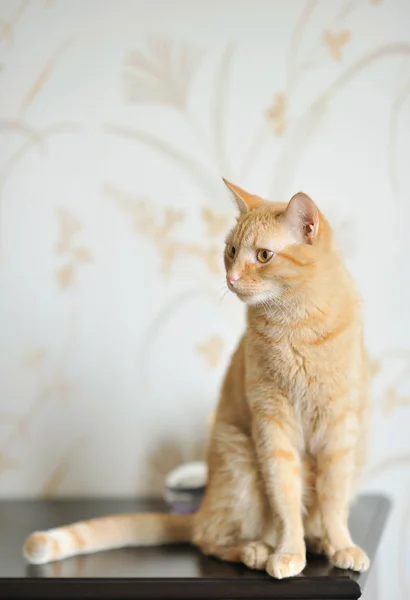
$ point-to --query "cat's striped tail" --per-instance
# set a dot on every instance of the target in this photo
(116, 531)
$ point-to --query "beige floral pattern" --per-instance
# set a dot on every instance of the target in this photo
(276, 113)
(335, 42)
(74, 255)
(159, 226)
(216, 224)
(211, 350)
(162, 74)
(7, 24)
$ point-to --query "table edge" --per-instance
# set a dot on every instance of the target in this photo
(342, 587)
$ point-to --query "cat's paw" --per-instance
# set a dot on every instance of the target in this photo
(285, 565)
(255, 555)
(351, 558)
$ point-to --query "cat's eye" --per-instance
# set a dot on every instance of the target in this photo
(263, 255)
(231, 251)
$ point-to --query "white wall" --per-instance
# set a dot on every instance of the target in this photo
(116, 120)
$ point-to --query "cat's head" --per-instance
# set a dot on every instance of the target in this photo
(274, 248)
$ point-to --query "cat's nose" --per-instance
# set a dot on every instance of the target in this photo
(232, 278)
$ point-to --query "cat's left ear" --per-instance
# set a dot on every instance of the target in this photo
(302, 216)
(244, 200)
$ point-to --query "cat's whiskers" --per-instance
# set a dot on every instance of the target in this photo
(270, 312)
(267, 309)
(286, 308)
(290, 305)
(224, 295)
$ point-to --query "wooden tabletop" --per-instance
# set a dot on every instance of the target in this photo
(163, 572)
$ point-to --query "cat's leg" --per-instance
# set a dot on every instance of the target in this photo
(312, 520)
(275, 436)
(336, 464)
(234, 511)
(314, 536)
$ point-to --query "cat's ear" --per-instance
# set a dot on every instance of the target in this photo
(244, 201)
(302, 216)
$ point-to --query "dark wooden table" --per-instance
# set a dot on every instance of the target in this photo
(167, 572)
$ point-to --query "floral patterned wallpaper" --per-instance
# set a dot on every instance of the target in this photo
(117, 120)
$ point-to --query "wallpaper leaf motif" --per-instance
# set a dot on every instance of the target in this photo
(335, 41)
(163, 74)
(297, 66)
(74, 255)
(159, 225)
(65, 276)
(394, 396)
(69, 227)
(216, 224)
(39, 139)
(211, 350)
(392, 400)
(306, 126)
(20, 127)
(34, 137)
(7, 25)
(43, 77)
(276, 113)
(54, 387)
(82, 254)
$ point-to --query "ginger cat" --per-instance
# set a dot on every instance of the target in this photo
(289, 437)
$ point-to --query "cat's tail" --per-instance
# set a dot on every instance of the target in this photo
(106, 533)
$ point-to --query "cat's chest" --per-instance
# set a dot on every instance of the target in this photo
(288, 363)
(305, 374)
(307, 384)
(299, 375)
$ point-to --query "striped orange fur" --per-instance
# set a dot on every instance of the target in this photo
(289, 437)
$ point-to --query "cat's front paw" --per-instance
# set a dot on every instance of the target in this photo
(285, 565)
(255, 555)
(351, 558)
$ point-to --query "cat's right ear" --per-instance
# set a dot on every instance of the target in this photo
(243, 200)
(302, 216)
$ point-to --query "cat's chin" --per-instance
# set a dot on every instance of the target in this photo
(255, 299)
